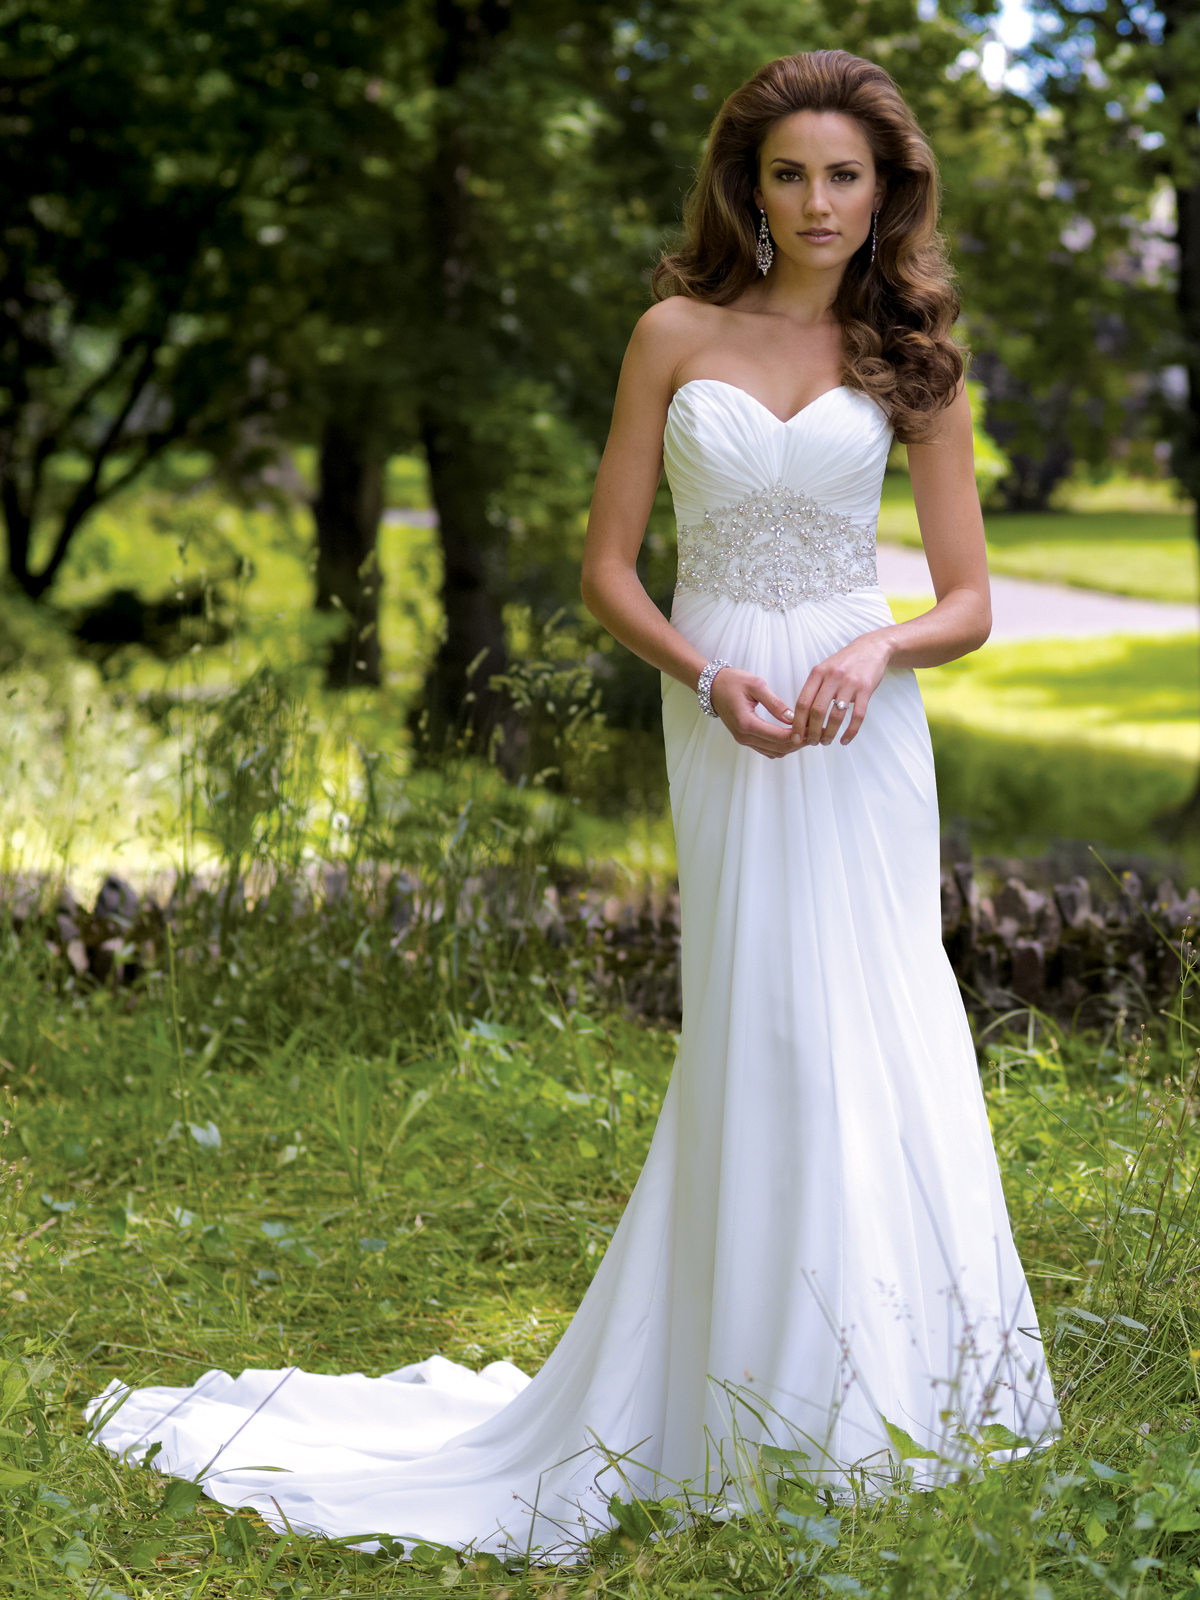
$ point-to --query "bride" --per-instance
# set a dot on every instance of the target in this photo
(817, 1256)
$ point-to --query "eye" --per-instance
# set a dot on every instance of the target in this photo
(849, 176)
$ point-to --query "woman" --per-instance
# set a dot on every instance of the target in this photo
(817, 1255)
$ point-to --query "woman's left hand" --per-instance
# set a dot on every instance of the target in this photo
(852, 675)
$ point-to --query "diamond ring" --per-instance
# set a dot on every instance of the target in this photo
(841, 705)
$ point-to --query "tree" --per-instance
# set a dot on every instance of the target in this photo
(141, 144)
(503, 230)
(1122, 81)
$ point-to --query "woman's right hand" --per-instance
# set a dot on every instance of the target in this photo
(736, 697)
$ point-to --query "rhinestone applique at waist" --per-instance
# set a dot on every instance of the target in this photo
(776, 549)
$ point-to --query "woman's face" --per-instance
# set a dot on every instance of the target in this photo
(818, 186)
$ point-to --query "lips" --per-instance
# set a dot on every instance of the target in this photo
(819, 234)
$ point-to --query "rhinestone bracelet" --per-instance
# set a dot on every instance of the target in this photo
(704, 687)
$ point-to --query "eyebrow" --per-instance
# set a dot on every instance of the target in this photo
(786, 161)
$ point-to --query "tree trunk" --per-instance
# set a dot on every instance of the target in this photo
(1186, 454)
(457, 693)
(461, 472)
(348, 507)
(1185, 457)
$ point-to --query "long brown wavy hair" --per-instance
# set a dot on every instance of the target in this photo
(896, 315)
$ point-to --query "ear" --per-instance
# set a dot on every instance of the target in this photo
(758, 198)
(880, 196)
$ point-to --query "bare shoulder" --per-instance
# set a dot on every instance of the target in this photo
(670, 331)
(952, 424)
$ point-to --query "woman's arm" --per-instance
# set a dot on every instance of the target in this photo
(943, 479)
(624, 493)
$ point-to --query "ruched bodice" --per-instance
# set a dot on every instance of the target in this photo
(721, 445)
(772, 512)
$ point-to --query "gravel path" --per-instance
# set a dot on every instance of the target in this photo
(1023, 609)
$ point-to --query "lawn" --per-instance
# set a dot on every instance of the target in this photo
(1149, 553)
(397, 1153)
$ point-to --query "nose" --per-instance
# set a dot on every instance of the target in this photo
(818, 199)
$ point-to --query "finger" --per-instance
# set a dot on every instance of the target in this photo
(812, 687)
(756, 731)
(856, 721)
(818, 712)
(779, 709)
(836, 718)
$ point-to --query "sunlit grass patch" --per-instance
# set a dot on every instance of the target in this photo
(1133, 694)
(1149, 553)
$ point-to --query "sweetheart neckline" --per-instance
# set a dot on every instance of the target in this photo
(783, 422)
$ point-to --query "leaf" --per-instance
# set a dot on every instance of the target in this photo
(426, 1555)
(817, 1530)
(420, 1098)
(1108, 1474)
(207, 1137)
(181, 1498)
(1128, 1322)
(1182, 1522)
(841, 1583)
(146, 1554)
(995, 1436)
(1095, 1531)
(783, 1460)
(638, 1518)
(74, 1557)
(905, 1446)
(118, 1221)
(237, 1538)
(13, 1477)
(588, 1150)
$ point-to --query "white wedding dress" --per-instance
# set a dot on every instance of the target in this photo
(818, 1241)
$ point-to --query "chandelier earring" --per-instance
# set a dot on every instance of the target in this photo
(765, 253)
(874, 221)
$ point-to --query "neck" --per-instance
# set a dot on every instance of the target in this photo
(800, 293)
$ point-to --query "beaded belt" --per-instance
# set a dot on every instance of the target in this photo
(776, 549)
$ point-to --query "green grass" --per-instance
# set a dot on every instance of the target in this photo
(1136, 695)
(419, 1154)
(1149, 553)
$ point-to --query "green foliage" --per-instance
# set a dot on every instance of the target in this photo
(138, 272)
(1019, 792)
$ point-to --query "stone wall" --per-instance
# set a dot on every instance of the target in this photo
(1081, 949)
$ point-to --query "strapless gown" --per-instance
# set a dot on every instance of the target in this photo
(818, 1244)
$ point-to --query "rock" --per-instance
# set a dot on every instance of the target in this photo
(1029, 971)
(335, 882)
(1132, 886)
(953, 905)
(964, 877)
(401, 891)
(23, 898)
(1074, 901)
(1017, 903)
(103, 959)
(1047, 926)
(117, 903)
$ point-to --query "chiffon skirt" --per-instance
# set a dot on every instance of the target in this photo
(818, 1245)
